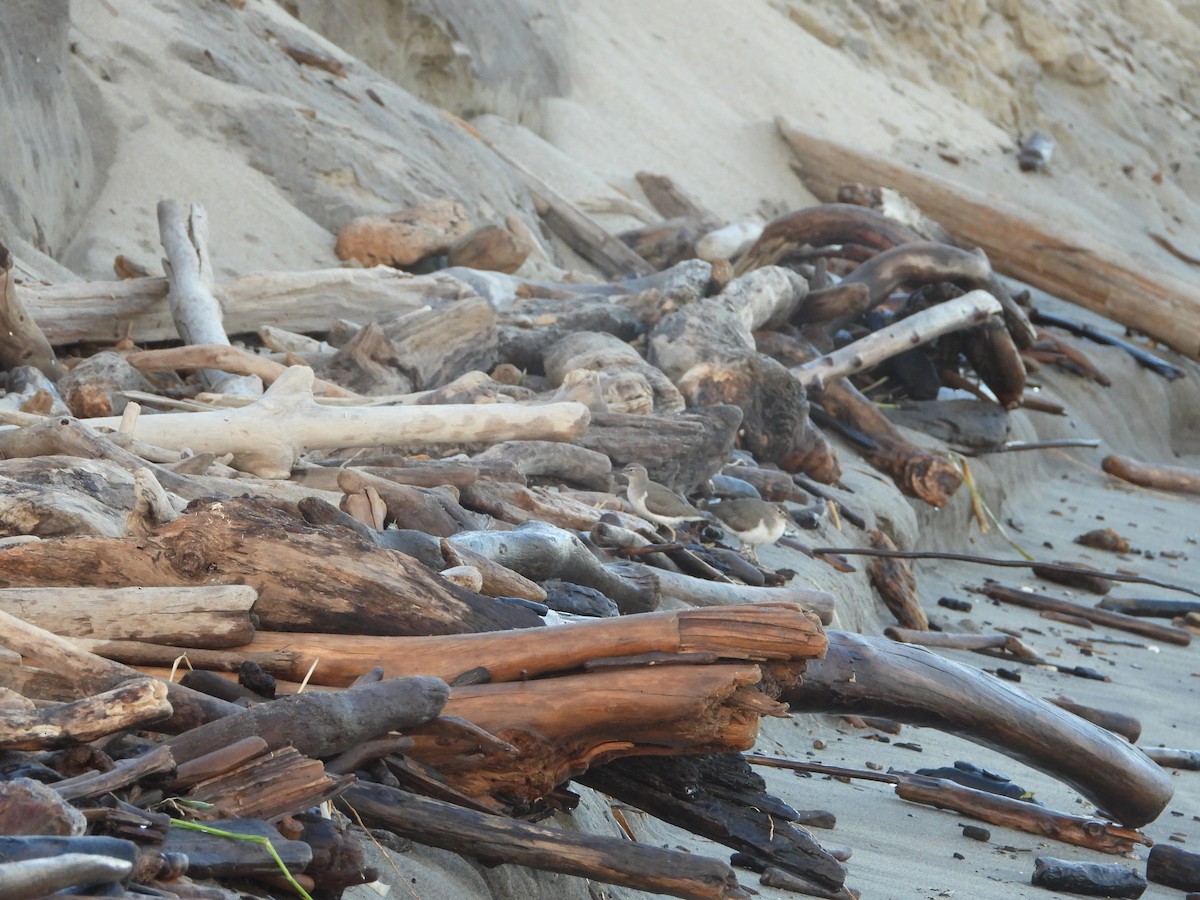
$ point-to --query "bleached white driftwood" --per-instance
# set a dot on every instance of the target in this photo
(301, 301)
(968, 311)
(196, 312)
(267, 436)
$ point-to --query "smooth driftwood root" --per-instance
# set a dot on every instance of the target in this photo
(871, 676)
(1163, 478)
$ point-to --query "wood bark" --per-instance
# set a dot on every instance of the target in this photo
(134, 704)
(494, 838)
(307, 578)
(267, 436)
(1055, 256)
(669, 199)
(1132, 624)
(893, 580)
(210, 617)
(563, 726)
(771, 631)
(869, 676)
(1118, 723)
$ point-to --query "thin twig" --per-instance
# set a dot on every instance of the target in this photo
(1059, 568)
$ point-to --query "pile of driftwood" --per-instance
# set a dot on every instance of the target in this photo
(372, 567)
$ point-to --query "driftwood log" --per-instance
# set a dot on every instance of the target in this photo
(870, 676)
(267, 436)
(1160, 477)
(605, 859)
(767, 631)
(307, 578)
(1052, 255)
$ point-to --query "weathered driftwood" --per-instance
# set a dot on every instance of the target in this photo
(555, 461)
(1132, 624)
(893, 580)
(226, 358)
(540, 551)
(517, 505)
(406, 236)
(966, 641)
(663, 244)
(1171, 758)
(123, 773)
(917, 263)
(84, 672)
(605, 859)
(431, 510)
(300, 301)
(213, 856)
(96, 386)
(43, 496)
(496, 580)
(1174, 867)
(1118, 723)
(719, 797)
(871, 676)
(490, 247)
(916, 472)
(1055, 256)
(1088, 879)
(322, 724)
(1150, 607)
(29, 879)
(31, 807)
(307, 578)
(210, 616)
(706, 348)
(134, 704)
(681, 451)
(197, 313)
(575, 227)
(830, 223)
(22, 342)
(967, 311)
(698, 592)
(624, 381)
(1019, 814)
(1160, 477)
(669, 199)
(563, 726)
(753, 631)
(267, 436)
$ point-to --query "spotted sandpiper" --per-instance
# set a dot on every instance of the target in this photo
(655, 502)
(751, 521)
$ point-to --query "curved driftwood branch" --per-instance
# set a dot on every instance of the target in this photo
(699, 592)
(873, 676)
(829, 223)
(918, 263)
(268, 435)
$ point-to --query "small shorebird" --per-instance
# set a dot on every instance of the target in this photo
(655, 502)
(751, 521)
